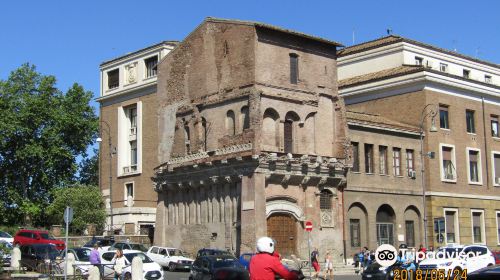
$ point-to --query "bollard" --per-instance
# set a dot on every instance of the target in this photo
(94, 273)
(137, 268)
(70, 264)
(15, 258)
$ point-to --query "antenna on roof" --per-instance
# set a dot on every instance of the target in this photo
(353, 36)
(389, 31)
(454, 45)
(478, 52)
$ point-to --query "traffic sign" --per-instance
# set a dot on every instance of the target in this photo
(309, 226)
(68, 215)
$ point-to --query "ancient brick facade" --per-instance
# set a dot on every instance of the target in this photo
(248, 144)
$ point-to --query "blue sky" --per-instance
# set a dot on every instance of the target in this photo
(69, 39)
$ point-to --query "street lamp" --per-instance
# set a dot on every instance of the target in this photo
(111, 152)
(429, 110)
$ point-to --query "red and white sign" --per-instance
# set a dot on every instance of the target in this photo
(309, 226)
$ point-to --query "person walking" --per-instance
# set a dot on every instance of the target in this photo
(315, 262)
(120, 263)
(95, 259)
(328, 266)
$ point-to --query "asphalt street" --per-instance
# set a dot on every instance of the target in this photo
(185, 276)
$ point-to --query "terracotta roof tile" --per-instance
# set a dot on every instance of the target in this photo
(378, 121)
(384, 74)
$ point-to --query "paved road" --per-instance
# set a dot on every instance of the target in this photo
(185, 275)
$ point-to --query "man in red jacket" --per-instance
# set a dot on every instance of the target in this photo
(264, 265)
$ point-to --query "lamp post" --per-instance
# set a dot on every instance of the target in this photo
(429, 110)
(110, 150)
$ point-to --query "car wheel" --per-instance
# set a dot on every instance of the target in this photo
(490, 264)
(128, 276)
(171, 266)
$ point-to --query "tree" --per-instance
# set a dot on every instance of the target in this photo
(42, 132)
(87, 204)
(89, 170)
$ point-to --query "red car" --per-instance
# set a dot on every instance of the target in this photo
(496, 254)
(33, 236)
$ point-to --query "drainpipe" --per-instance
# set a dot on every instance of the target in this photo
(485, 145)
(343, 227)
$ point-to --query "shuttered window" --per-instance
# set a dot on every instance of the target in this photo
(368, 158)
(288, 135)
(450, 221)
(448, 166)
(473, 166)
(354, 226)
(382, 154)
(355, 157)
(396, 161)
(477, 226)
(443, 117)
(496, 164)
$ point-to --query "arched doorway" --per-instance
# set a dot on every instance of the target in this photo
(283, 229)
(385, 225)
(412, 226)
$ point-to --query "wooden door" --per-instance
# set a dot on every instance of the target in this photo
(283, 229)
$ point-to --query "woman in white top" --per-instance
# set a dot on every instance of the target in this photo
(120, 263)
(328, 266)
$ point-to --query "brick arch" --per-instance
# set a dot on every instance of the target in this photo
(270, 129)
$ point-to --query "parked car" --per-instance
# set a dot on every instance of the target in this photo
(33, 236)
(218, 267)
(213, 252)
(496, 254)
(32, 255)
(172, 258)
(104, 243)
(4, 236)
(82, 260)
(456, 258)
(128, 246)
(487, 273)
(151, 269)
(5, 249)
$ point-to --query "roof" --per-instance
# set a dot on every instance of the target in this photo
(171, 43)
(380, 75)
(376, 120)
(392, 39)
(273, 27)
(401, 71)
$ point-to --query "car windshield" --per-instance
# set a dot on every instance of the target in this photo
(449, 253)
(138, 247)
(83, 255)
(175, 252)
(46, 236)
(220, 262)
(46, 250)
(144, 258)
(5, 235)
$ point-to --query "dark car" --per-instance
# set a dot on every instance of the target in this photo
(213, 252)
(102, 242)
(375, 271)
(34, 254)
(34, 236)
(128, 246)
(487, 273)
(221, 267)
(5, 249)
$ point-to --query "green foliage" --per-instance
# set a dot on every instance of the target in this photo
(89, 170)
(42, 132)
(87, 204)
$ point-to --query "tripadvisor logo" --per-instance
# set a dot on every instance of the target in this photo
(386, 255)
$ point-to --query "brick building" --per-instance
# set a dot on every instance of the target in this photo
(128, 105)
(424, 86)
(252, 140)
(383, 198)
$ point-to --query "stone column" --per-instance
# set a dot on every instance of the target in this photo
(160, 217)
(253, 211)
(221, 202)
(215, 204)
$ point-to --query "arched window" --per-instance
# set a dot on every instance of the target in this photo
(244, 118)
(187, 139)
(325, 200)
(230, 124)
(289, 130)
(270, 129)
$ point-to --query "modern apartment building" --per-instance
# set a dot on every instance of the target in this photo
(454, 100)
(128, 129)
